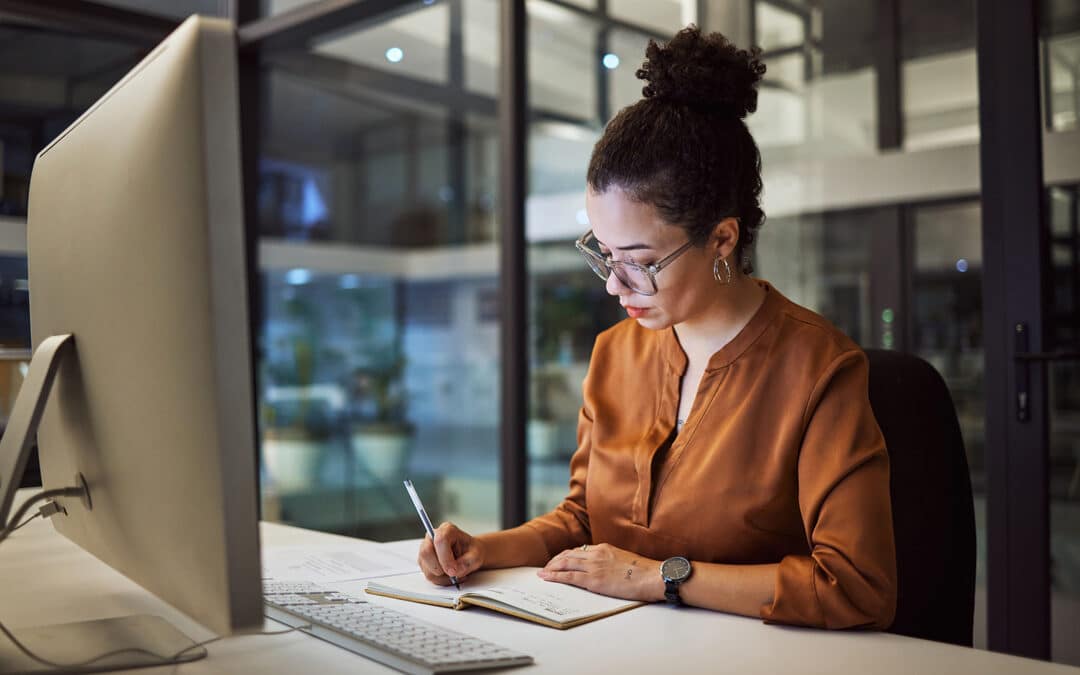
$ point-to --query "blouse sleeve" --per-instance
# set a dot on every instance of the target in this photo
(849, 578)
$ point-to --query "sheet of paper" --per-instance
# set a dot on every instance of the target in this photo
(327, 565)
(406, 548)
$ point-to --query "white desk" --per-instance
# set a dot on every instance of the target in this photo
(47, 579)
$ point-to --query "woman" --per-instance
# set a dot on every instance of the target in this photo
(727, 454)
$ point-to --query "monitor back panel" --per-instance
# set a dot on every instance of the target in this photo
(136, 246)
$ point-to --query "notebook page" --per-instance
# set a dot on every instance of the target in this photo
(516, 587)
(416, 586)
(559, 603)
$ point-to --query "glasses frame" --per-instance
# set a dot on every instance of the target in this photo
(603, 262)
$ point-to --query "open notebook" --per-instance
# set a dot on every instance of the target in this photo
(516, 591)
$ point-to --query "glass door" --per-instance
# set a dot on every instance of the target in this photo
(1030, 283)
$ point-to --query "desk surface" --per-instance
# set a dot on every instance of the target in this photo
(47, 579)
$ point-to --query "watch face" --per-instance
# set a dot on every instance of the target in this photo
(675, 569)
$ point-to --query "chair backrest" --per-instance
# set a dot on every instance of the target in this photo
(933, 511)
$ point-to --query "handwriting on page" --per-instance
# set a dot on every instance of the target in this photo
(540, 603)
(547, 603)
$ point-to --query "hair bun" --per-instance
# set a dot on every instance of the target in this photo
(705, 72)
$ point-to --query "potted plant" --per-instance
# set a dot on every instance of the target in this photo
(293, 451)
(542, 431)
(381, 436)
(297, 427)
(562, 313)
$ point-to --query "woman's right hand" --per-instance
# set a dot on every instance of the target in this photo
(454, 553)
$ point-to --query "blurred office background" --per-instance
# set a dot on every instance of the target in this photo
(378, 225)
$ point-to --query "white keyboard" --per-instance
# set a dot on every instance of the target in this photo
(384, 635)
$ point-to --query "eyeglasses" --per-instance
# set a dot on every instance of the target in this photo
(639, 278)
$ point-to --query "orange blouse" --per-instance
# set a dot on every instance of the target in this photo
(780, 461)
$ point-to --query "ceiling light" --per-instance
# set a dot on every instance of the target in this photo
(298, 277)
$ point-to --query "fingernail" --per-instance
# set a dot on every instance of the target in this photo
(452, 571)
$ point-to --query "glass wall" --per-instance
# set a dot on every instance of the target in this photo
(939, 75)
(1060, 42)
(379, 349)
(414, 45)
(45, 83)
(268, 7)
(573, 90)
(819, 97)
(1063, 335)
(946, 330)
(562, 62)
(1061, 64)
(829, 83)
(662, 16)
(823, 261)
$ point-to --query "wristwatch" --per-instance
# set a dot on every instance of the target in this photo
(674, 572)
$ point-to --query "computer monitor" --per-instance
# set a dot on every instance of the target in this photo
(136, 248)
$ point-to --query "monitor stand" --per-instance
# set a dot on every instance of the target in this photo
(81, 647)
(21, 432)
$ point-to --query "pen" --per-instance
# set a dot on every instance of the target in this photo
(424, 519)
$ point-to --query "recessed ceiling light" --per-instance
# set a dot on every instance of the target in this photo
(298, 277)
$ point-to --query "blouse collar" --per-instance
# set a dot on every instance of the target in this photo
(676, 358)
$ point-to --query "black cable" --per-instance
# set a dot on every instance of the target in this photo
(39, 497)
(162, 660)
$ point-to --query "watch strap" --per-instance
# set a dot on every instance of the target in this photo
(671, 592)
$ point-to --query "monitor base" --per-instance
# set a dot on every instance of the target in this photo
(68, 644)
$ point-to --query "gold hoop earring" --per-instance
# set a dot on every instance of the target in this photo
(727, 275)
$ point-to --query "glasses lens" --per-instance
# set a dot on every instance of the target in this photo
(632, 276)
(590, 250)
(596, 265)
(635, 278)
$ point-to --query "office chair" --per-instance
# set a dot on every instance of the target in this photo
(933, 512)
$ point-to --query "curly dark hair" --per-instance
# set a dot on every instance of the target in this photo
(684, 148)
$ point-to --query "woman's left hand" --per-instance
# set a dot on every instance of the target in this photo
(605, 569)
